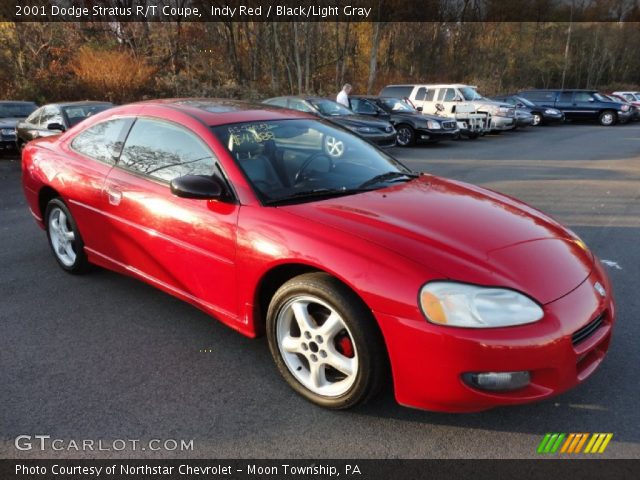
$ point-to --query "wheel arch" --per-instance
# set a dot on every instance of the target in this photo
(45, 195)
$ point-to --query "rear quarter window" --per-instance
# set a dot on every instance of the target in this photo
(103, 141)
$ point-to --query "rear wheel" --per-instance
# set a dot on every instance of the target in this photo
(405, 135)
(64, 238)
(325, 342)
(537, 119)
(607, 118)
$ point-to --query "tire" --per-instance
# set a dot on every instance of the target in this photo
(607, 118)
(64, 238)
(302, 343)
(473, 135)
(537, 119)
(405, 135)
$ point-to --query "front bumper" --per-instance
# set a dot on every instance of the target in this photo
(624, 117)
(386, 140)
(7, 142)
(553, 117)
(428, 360)
(524, 121)
(426, 135)
(502, 123)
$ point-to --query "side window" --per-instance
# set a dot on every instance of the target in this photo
(421, 94)
(102, 141)
(430, 94)
(582, 97)
(450, 95)
(50, 115)
(566, 97)
(397, 91)
(441, 94)
(34, 118)
(362, 106)
(165, 151)
(299, 105)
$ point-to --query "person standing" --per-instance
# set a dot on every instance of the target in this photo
(343, 95)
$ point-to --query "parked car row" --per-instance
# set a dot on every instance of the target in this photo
(400, 115)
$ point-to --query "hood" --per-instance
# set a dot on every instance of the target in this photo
(9, 122)
(464, 233)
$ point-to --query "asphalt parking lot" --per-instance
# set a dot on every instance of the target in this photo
(107, 357)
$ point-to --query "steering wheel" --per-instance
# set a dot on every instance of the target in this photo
(305, 165)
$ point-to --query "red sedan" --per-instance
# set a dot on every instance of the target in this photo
(355, 268)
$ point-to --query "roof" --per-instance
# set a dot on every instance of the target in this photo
(433, 85)
(214, 111)
(16, 102)
(80, 103)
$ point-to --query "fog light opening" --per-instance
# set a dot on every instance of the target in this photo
(497, 381)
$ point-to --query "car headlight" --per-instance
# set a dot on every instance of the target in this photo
(365, 130)
(551, 111)
(433, 125)
(8, 131)
(624, 108)
(462, 305)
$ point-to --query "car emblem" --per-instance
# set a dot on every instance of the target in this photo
(600, 289)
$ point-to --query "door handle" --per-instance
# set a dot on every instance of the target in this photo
(114, 195)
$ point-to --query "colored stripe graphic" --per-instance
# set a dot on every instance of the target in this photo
(572, 443)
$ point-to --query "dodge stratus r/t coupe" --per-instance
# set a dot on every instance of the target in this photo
(356, 269)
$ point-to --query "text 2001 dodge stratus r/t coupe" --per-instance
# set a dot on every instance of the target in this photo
(356, 268)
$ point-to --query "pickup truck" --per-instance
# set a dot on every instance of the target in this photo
(580, 105)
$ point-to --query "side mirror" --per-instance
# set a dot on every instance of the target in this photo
(56, 126)
(419, 109)
(199, 187)
(520, 105)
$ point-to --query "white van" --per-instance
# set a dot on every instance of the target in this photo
(452, 99)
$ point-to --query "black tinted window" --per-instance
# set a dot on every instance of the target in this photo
(397, 91)
(76, 113)
(165, 151)
(103, 141)
(362, 106)
(539, 96)
(582, 97)
(565, 97)
(421, 94)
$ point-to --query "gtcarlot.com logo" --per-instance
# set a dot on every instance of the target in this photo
(574, 443)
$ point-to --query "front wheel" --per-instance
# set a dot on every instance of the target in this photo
(607, 118)
(405, 136)
(537, 119)
(64, 238)
(325, 342)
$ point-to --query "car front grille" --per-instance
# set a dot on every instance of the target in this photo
(449, 125)
(588, 330)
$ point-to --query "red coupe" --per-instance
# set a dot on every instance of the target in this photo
(355, 268)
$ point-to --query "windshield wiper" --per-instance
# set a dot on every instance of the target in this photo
(317, 192)
(383, 177)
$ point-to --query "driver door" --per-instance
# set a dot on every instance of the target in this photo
(181, 245)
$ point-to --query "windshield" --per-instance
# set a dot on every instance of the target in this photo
(526, 102)
(291, 161)
(397, 105)
(17, 110)
(329, 107)
(76, 113)
(469, 93)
